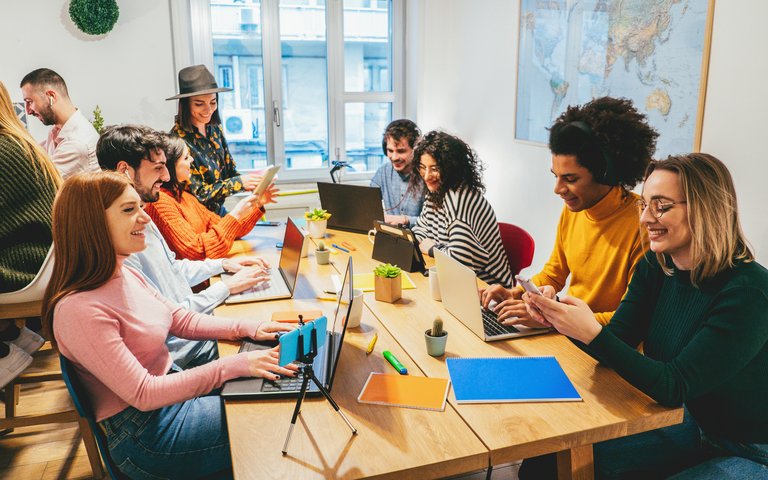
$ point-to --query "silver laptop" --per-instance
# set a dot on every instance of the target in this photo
(325, 365)
(458, 288)
(282, 282)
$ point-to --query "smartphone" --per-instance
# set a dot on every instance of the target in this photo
(528, 285)
(266, 180)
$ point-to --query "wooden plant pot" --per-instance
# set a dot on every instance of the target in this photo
(388, 289)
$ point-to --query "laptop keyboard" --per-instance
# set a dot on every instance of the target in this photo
(275, 288)
(285, 384)
(492, 326)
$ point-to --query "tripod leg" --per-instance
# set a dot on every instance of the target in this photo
(296, 411)
(333, 403)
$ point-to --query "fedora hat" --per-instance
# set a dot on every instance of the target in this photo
(196, 80)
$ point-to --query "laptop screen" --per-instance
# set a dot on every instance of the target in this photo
(354, 207)
(339, 325)
(291, 254)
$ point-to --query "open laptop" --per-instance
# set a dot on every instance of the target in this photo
(353, 208)
(458, 288)
(282, 282)
(325, 365)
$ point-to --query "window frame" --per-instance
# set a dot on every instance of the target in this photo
(193, 44)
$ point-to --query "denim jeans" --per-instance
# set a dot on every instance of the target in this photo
(185, 440)
(679, 450)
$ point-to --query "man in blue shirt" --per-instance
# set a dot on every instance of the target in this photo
(401, 205)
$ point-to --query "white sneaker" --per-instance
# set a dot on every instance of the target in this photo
(13, 364)
(28, 341)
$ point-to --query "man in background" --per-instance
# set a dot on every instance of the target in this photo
(71, 142)
(401, 205)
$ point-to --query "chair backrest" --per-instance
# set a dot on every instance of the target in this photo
(36, 288)
(84, 409)
(519, 246)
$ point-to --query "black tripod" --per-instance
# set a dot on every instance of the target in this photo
(308, 373)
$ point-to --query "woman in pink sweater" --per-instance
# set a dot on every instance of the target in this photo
(112, 326)
(191, 230)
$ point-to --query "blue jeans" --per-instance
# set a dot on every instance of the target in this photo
(185, 440)
(679, 450)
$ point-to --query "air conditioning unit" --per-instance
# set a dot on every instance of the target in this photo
(237, 124)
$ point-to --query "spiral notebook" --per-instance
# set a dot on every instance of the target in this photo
(510, 379)
(405, 391)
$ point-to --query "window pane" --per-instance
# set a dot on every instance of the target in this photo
(237, 58)
(305, 85)
(365, 124)
(367, 46)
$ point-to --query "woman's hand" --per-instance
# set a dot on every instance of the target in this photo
(494, 293)
(236, 264)
(268, 196)
(426, 244)
(246, 278)
(264, 363)
(269, 330)
(251, 180)
(245, 206)
(570, 316)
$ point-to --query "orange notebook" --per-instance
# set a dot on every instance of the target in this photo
(292, 316)
(405, 391)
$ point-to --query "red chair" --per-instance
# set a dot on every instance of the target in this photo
(519, 246)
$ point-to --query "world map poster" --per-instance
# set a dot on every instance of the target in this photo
(652, 52)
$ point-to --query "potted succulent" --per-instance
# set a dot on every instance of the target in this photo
(322, 254)
(317, 221)
(436, 338)
(387, 283)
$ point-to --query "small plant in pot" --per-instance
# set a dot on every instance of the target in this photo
(322, 254)
(436, 338)
(317, 221)
(387, 283)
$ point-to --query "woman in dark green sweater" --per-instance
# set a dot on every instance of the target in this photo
(699, 306)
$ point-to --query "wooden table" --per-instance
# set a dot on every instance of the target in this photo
(505, 432)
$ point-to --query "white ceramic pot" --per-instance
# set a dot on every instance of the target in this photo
(317, 228)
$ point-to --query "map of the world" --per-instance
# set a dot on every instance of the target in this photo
(648, 51)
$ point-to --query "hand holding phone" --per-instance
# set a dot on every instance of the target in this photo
(529, 286)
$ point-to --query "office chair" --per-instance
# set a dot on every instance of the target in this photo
(87, 420)
(519, 246)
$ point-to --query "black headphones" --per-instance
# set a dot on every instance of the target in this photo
(609, 175)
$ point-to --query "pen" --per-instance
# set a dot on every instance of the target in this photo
(349, 246)
(327, 299)
(395, 362)
(371, 345)
(340, 248)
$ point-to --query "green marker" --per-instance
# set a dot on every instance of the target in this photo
(395, 362)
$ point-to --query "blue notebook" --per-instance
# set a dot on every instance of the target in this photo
(510, 379)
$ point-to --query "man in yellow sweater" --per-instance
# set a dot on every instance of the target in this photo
(600, 151)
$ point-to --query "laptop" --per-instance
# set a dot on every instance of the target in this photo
(282, 281)
(325, 365)
(458, 288)
(353, 208)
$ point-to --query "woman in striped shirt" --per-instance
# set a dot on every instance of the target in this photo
(456, 217)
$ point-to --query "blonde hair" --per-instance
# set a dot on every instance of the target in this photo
(82, 245)
(11, 126)
(717, 240)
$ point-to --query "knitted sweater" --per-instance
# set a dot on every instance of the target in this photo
(26, 197)
(599, 249)
(704, 347)
(193, 231)
(115, 337)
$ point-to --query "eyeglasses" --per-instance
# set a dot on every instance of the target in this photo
(658, 206)
(424, 170)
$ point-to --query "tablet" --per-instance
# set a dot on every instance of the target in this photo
(289, 343)
(269, 174)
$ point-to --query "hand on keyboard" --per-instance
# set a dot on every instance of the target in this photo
(246, 278)
(267, 330)
(263, 363)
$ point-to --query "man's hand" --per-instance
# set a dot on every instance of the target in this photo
(494, 293)
(232, 265)
(246, 278)
(396, 219)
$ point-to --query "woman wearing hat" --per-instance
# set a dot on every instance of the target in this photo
(214, 175)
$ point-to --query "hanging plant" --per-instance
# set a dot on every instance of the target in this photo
(94, 17)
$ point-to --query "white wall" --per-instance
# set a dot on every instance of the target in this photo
(466, 82)
(128, 72)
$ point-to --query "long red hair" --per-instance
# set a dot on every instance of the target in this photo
(85, 257)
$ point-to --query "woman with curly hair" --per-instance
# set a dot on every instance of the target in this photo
(456, 217)
(600, 150)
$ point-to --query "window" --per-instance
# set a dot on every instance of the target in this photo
(334, 61)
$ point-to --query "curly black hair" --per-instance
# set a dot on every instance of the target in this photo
(609, 137)
(458, 164)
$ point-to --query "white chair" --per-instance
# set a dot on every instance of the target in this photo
(24, 303)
